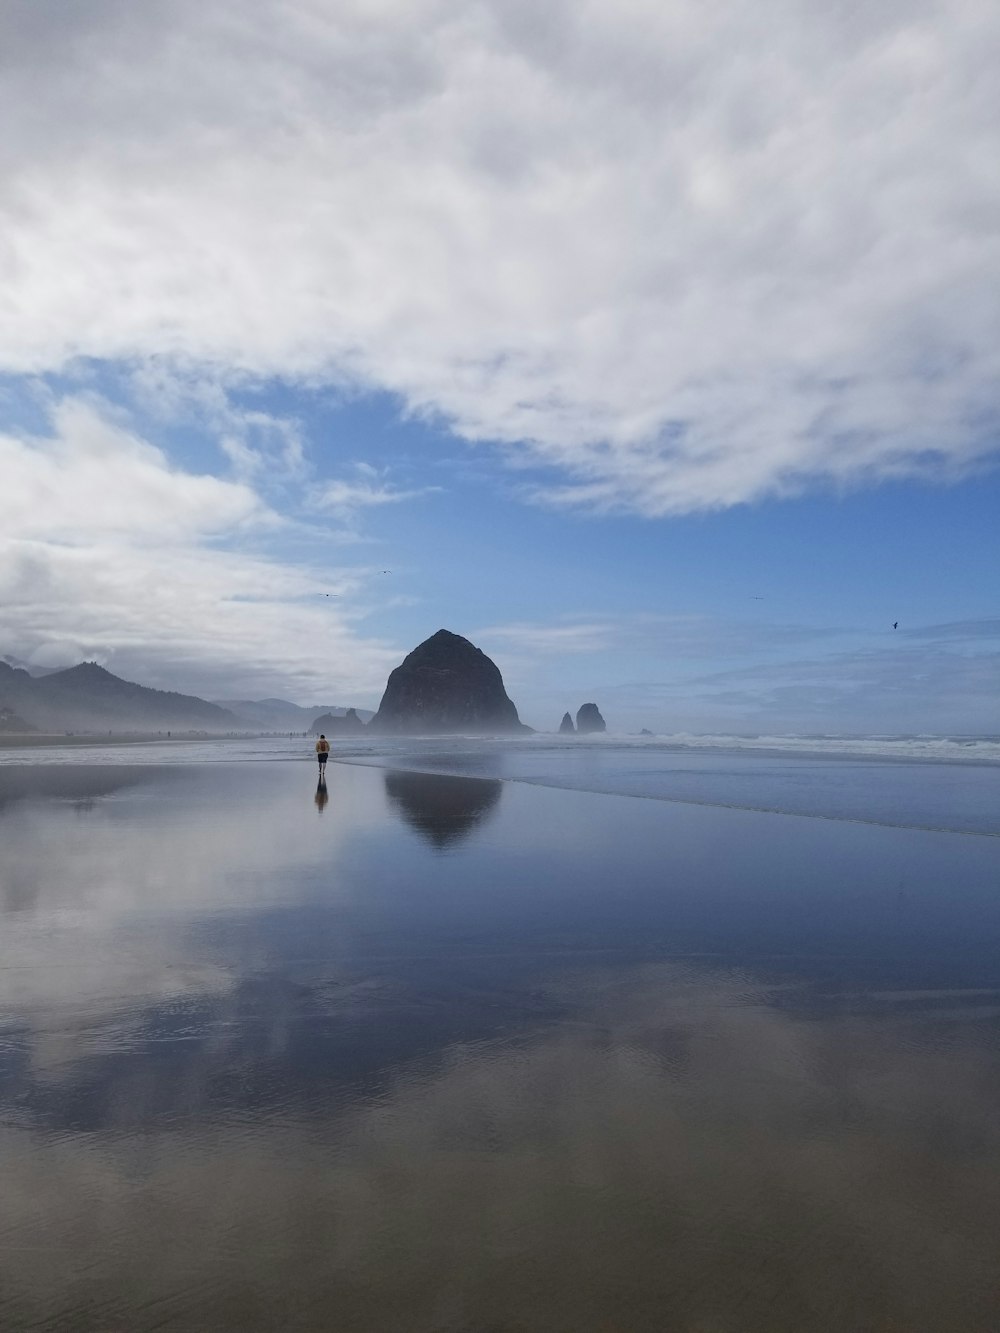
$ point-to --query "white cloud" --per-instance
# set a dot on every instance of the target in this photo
(109, 552)
(687, 255)
(673, 636)
(554, 640)
(344, 497)
(260, 446)
(94, 478)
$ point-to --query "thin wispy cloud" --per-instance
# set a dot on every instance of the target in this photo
(955, 631)
(679, 256)
(367, 489)
(688, 636)
(588, 637)
(914, 689)
(263, 447)
(713, 673)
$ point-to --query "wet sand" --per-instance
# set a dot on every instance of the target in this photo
(435, 1053)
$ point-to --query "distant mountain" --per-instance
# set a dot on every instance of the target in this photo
(89, 698)
(280, 715)
(19, 664)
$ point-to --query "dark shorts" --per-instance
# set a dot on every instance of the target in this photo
(322, 758)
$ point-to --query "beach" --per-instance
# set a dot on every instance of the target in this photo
(497, 1037)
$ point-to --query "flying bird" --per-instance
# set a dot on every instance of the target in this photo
(895, 624)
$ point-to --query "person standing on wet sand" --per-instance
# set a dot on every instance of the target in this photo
(322, 752)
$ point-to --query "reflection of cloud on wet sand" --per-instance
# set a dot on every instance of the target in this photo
(105, 871)
(679, 1155)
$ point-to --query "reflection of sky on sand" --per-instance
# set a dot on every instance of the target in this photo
(106, 872)
(681, 1154)
(605, 1063)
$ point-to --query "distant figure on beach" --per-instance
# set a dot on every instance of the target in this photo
(895, 624)
(322, 753)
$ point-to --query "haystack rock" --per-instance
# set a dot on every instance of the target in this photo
(566, 725)
(588, 718)
(446, 684)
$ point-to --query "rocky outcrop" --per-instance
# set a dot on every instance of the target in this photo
(588, 718)
(328, 724)
(351, 722)
(446, 684)
(566, 725)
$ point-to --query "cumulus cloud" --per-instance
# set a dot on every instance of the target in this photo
(108, 551)
(94, 478)
(684, 255)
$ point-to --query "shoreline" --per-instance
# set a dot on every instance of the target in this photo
(348, 747)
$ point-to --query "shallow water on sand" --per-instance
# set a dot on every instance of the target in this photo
(439, 1053)
(902, 783)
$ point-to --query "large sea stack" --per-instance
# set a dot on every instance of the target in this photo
(446, 684)
(589, 718)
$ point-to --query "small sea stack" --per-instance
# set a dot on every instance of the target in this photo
(588, 718)
(329, 724)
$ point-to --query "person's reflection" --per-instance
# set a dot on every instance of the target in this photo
(441, 808)
(322, 795)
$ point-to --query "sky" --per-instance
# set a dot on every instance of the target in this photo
(653, 346)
